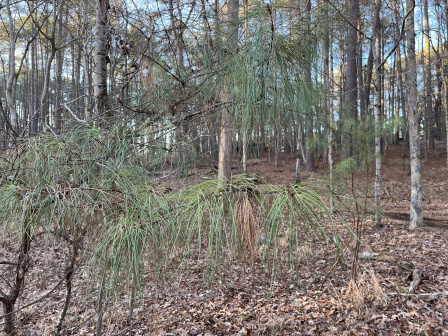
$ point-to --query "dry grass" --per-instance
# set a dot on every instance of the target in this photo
(245, 223)
(365, 291)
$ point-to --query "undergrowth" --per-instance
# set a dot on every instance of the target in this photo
(91, 188)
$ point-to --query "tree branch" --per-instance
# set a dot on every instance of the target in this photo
(399, 38)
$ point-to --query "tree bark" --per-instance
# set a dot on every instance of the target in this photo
(44, 103)
(104, 114)
(428, 85)
(13, 122)
(377, 39)
(309, 152)
(416, 212)
(224, 161)
(400, 89)
(351, 83)
(9, 300)
(328, 89)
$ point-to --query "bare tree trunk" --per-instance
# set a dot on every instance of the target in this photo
(35, 79)
(224, 161)
(377, 41)
(87, 80)
(444, 92)
(58, 89)
(87, 75)
(310, 166)
(428, 85)
(244, 145)
(44, 103)
(416, 212)
(224, 155)
(101, 305)
(69, 271)
(299, 151)
(298, 145)
(351, 84)
(328, 89)
(13, 122)
(17, 284)
(400, 88)
(104, 114)
(32, 97)
(445, 98)
(445, 101)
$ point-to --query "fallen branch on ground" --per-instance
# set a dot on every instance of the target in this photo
(418, 294)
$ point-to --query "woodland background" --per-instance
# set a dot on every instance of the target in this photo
(240, 167)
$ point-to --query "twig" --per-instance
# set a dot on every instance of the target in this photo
(35, 301)
(420, 294)
(72, 113)
(432, 311)
(399, 38)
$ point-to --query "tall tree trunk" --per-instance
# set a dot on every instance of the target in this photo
(58, 93)
(328, 90)
(224, 161)
(361, 86)
(13, 122)
(44, 100)
(351, 83)
(428, 77)
(32, 97)
(445, 100)
(87, 80)
(309, 151)
(44, 103)
(444, 75)
(104, 114)
(416, 211)
(400, 88)
(365, 92)
(377, 39)
(87, 75)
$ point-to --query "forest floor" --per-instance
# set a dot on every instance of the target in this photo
(242, 302)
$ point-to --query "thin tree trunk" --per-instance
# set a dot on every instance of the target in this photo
(101, 305)
(428, 77)
(328, 89)
(377, 41)
(445, 103)
(416, 212)
(87, 75)
(310, 166)
(58, 93)
(224, 155)
(401, 99)
(9, 300)
(445, 98)
(44, 100)
(32, 97)
(104, 114)
(224, 161)
(444, 83)
(298, 152)
(69, 271)
(13, 122)
(351, 83)
(244, 145)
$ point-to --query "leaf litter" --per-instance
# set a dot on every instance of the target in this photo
(242, 300)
